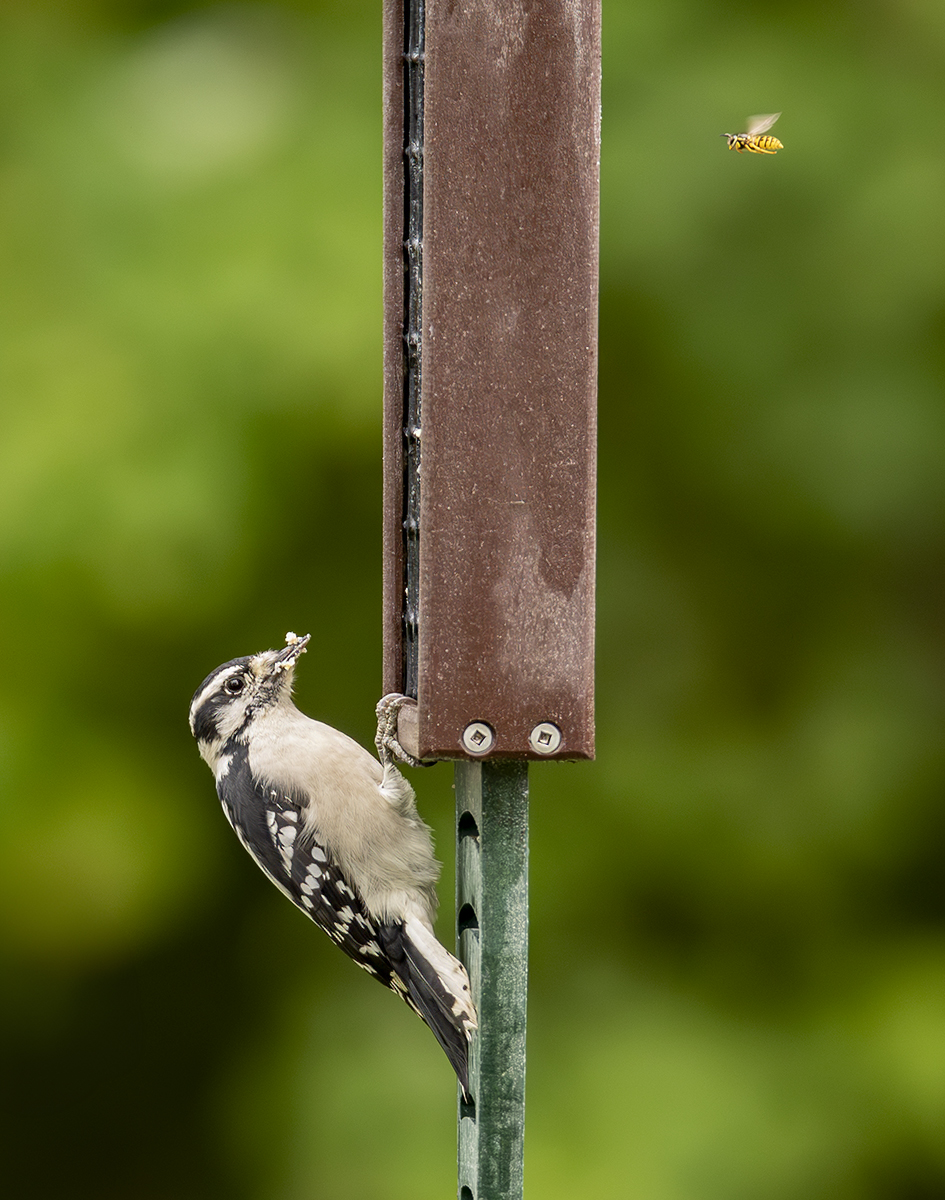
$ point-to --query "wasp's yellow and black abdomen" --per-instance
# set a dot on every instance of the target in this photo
(753, 144)
(763, 145)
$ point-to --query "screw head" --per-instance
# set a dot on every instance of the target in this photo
(545, 738)
(478, 737)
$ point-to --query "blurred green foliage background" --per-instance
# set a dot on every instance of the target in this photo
(738, 949)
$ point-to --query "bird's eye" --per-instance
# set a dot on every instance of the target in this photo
(235, 685)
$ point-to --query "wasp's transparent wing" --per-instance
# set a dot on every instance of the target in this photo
(761, 123)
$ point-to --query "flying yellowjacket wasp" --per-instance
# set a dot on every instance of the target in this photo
(752, 140)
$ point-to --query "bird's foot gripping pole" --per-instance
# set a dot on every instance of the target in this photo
(389, 749)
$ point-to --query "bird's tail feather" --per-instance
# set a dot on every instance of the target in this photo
(437, 986)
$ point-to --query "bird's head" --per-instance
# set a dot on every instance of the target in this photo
(238, 691)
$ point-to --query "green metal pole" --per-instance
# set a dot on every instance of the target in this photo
(492, 934)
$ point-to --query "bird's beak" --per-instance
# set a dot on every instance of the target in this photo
(290, 655)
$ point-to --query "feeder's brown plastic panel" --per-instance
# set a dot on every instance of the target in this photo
(509, 365)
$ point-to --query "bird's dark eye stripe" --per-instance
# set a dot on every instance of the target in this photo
(205, 725)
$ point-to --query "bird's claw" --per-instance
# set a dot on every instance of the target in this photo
(388, 747)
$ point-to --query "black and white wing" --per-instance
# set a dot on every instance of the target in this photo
(269, 823)
(405, 957)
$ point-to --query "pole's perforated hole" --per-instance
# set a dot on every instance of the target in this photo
(467, 919)
(467, 826)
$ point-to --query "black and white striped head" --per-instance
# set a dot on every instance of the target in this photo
(236, 692)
